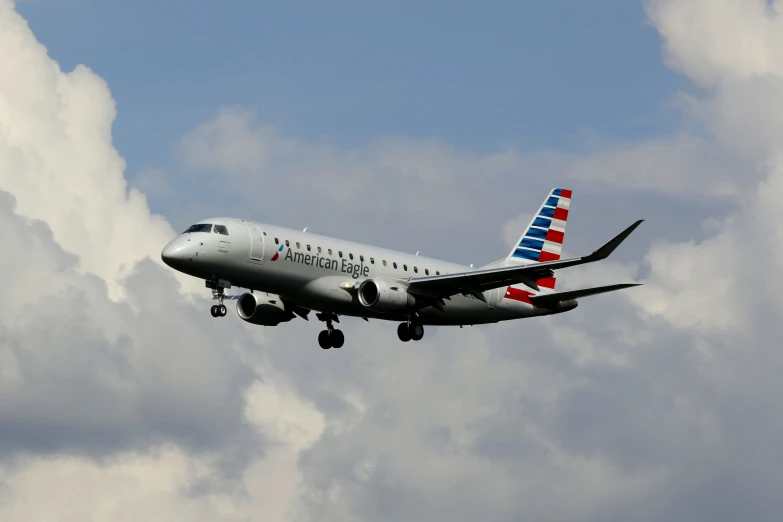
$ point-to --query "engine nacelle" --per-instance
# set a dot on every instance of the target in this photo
(382, 295)
(263, 309)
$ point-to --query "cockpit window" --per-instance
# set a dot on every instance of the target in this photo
(199, 228)
(221, 229)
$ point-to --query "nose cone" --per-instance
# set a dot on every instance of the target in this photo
(176, 253)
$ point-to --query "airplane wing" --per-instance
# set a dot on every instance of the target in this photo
(478, 281)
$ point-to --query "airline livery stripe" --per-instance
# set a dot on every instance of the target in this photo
(532, 243)
(560, 213)
(566, 193)
(547, 212)
(555, 236)
(538, 233)
(523, 253)
(547, 256)
(553, 248)
(542, 222)
(558, 225)
(548, 282)
(518, 295)
(552, 201)
(557, 192)
(564, 203)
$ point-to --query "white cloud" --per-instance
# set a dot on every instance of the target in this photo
(713, 42)
(232, 143)
(58, 161)
(109, 411)
(159, 484)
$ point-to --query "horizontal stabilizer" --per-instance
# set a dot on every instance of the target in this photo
(546, 300)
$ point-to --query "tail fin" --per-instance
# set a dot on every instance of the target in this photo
(543, 238)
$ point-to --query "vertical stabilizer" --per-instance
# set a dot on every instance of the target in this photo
(543, 238)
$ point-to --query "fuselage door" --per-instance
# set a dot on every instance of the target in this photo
(256, 242)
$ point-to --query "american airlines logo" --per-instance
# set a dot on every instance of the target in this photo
(345, 266)
(277, 254)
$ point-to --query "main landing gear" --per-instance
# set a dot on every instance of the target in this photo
(331, 337)
(410, 331)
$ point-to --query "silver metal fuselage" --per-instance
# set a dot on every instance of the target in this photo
(308, 270)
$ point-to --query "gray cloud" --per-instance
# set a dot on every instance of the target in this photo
(87, 374)
(117, 389)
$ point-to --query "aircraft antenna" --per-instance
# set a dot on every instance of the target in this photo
(305, 229)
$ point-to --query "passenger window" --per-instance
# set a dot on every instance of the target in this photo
(221, 229)
(437, 272)
(297, 245)
(340, 253)
(330, 251)
(384, 262)
(395, 265)
(308, 248)
(372, 261)
(350, 256)
(319, 250)
(426, 271)
(286, 243)
(361, 259)
(415, 269)
(277, 242)
(405, 267)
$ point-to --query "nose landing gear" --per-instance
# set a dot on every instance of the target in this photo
(331, 337)
(218, 292)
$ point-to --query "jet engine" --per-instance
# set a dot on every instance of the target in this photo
(382, 295)
(263, 309)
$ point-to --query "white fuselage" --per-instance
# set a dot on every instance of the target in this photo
(314, 271)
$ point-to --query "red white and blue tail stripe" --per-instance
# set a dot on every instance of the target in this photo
(543, 238)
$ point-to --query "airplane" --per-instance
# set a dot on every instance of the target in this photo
(290, 273)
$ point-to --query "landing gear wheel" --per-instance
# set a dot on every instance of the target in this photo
(336, 338)
(403, 332)
(222, 311)
(214, 311)
(323, 340)
(416, 331)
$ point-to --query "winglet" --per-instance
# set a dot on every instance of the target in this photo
(608, 248)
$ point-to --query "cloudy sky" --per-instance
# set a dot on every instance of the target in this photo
(436, 127)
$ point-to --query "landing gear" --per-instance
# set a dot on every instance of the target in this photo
(337, 338)
(218, 310)
(417, 331)
(403, 332)
(410, 332)
(331, 337)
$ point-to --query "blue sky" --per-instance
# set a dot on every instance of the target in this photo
(528, 75)
(436, 127)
